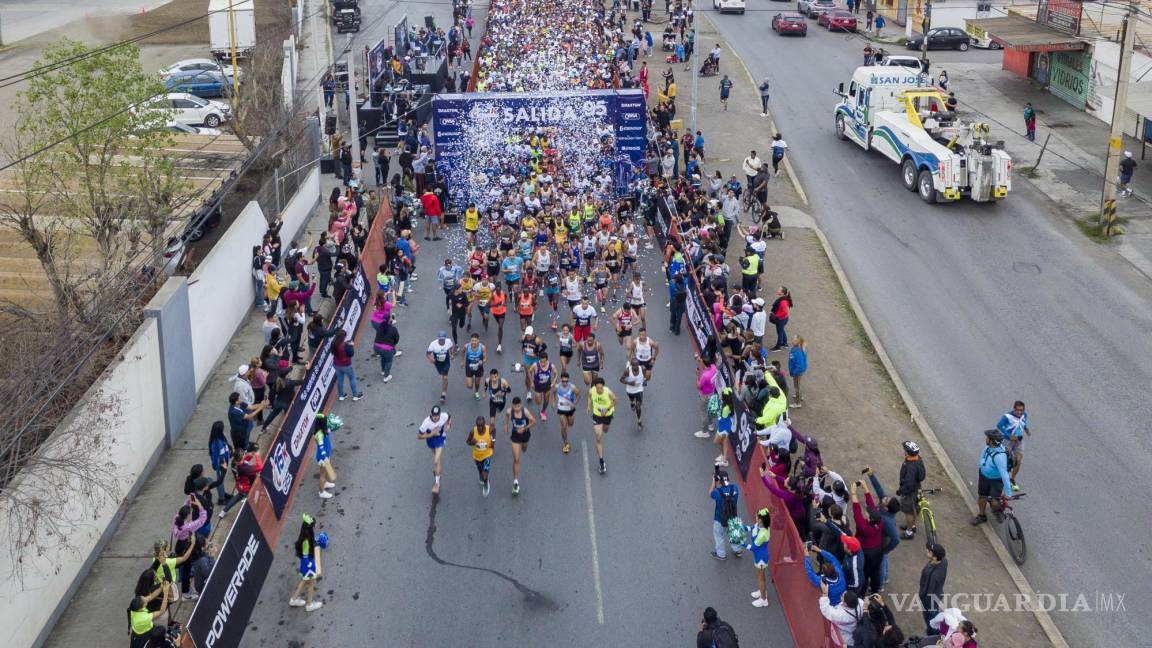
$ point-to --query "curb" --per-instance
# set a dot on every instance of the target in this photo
(771, 124)
(1042, 617)
(1022, 584)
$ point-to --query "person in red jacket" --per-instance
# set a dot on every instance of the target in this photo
(870, 533)
(247, 470)
(434, 212)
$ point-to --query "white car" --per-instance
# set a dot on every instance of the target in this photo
(197, 65)
(191, 110)
(721, 6)
(912, 62)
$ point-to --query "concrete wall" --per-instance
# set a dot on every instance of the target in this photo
(220, 292)
(131, 388)
(297, 211)
(169, 308)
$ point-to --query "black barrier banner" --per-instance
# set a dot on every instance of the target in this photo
(703, 330)
(286, 456)
(233, 587)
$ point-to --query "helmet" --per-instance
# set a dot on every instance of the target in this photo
(994, 435)
(911, 448)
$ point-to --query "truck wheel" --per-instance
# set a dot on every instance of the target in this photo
(908, 174)
(925, 187)
(840, 126)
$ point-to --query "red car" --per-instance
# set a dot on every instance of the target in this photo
(839, 20)
(789, 23)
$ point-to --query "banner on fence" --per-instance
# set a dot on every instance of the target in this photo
(233, 587)
(704, 331)
(473, 133)
(285, 457)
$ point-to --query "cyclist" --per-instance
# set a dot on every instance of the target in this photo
(912, 474)
(1014, 426)
(994, 473)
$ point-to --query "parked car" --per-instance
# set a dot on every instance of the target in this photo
(813, 8)
(202, 84)
(199, 65)
(838, 20)
(789, 23)
(191, 110)
(185, 129)
(721, 6)
(911, 62)
(942, 38)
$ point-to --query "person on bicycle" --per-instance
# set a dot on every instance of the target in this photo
(759, 186)
(912, 474)
(994, 481)
(1014, 426)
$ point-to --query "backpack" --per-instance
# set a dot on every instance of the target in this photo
(728, 508)
(723, 636)
(990, 456)
(864, 634)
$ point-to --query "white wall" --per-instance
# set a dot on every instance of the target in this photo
(134, 384)
(297, 211)
(1102, 85)
(220, 292)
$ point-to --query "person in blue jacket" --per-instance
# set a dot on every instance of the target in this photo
(994, 473)
(830, 572)
(797, 367)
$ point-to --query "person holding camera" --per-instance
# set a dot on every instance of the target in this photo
(726, 495)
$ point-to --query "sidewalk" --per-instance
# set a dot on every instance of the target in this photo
(850, 405)
(95, 616)
(1071, 171)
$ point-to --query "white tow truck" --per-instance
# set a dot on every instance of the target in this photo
(898, 112)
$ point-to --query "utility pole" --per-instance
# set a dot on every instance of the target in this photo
(232, 48)
(1116, 134)
(321, 112)
(353, 118)
(331, 56)
(695, 78)
(925, 25)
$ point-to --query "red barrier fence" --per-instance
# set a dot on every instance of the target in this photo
(798, 597)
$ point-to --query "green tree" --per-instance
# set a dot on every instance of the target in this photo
(109, 176)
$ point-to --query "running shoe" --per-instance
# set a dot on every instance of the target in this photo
(566, 448)
(313, 606)
(701, 434)
(486, 489)
(443, 396)
(296, 602)
(325, 495)
(476, 395)
(718, 556)
(342, 397)
(544, 417)
(499, 349)
(515, 488)
(760, 603)
(388, 378)
(603, 468)
(358, 396)
(329, 484)
(755, 593)
(399, 353)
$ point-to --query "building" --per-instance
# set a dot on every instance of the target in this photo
(1072, 49)
(945, 13)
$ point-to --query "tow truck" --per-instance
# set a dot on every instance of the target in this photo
(899, 113)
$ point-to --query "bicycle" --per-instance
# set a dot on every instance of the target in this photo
(753, 208)
(1013, 533)
(927, 517)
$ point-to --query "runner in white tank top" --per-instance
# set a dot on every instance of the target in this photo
(645, 350)
(636, 297)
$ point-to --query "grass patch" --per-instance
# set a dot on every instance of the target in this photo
(1029, 172)
(1090, 227)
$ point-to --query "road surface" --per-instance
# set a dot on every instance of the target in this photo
(23, 19)
(979, 305)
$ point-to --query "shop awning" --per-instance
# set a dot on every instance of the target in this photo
(1025, 35)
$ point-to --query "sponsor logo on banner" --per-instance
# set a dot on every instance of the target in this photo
(233, 587)
(282, 471)
(631, 116)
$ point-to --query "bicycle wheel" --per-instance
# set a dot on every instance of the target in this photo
(929, 521)
(755, 211)
(1014, 537)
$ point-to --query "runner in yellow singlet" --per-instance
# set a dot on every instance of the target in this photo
(601, 405)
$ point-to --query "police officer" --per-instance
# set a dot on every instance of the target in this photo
(750, 268)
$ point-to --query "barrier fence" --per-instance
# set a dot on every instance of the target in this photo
(798, 597)
(246, 555)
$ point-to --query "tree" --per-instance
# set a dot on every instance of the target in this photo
(259, 108)
(105, 151)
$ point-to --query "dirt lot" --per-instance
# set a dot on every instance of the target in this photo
(272, 22)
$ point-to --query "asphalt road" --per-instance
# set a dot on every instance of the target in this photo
(575, 559)
(980, 305)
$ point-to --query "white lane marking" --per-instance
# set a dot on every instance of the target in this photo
(592, 534)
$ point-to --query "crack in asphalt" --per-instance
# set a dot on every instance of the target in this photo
(534, 600)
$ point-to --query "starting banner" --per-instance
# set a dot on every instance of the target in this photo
(233, 587)
(476, 134)
(286, 456)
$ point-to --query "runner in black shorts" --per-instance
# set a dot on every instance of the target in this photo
(498, 390)
(518, 423)
(567, 395)
(543, 374)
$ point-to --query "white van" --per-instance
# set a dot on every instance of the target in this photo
(722, 6)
